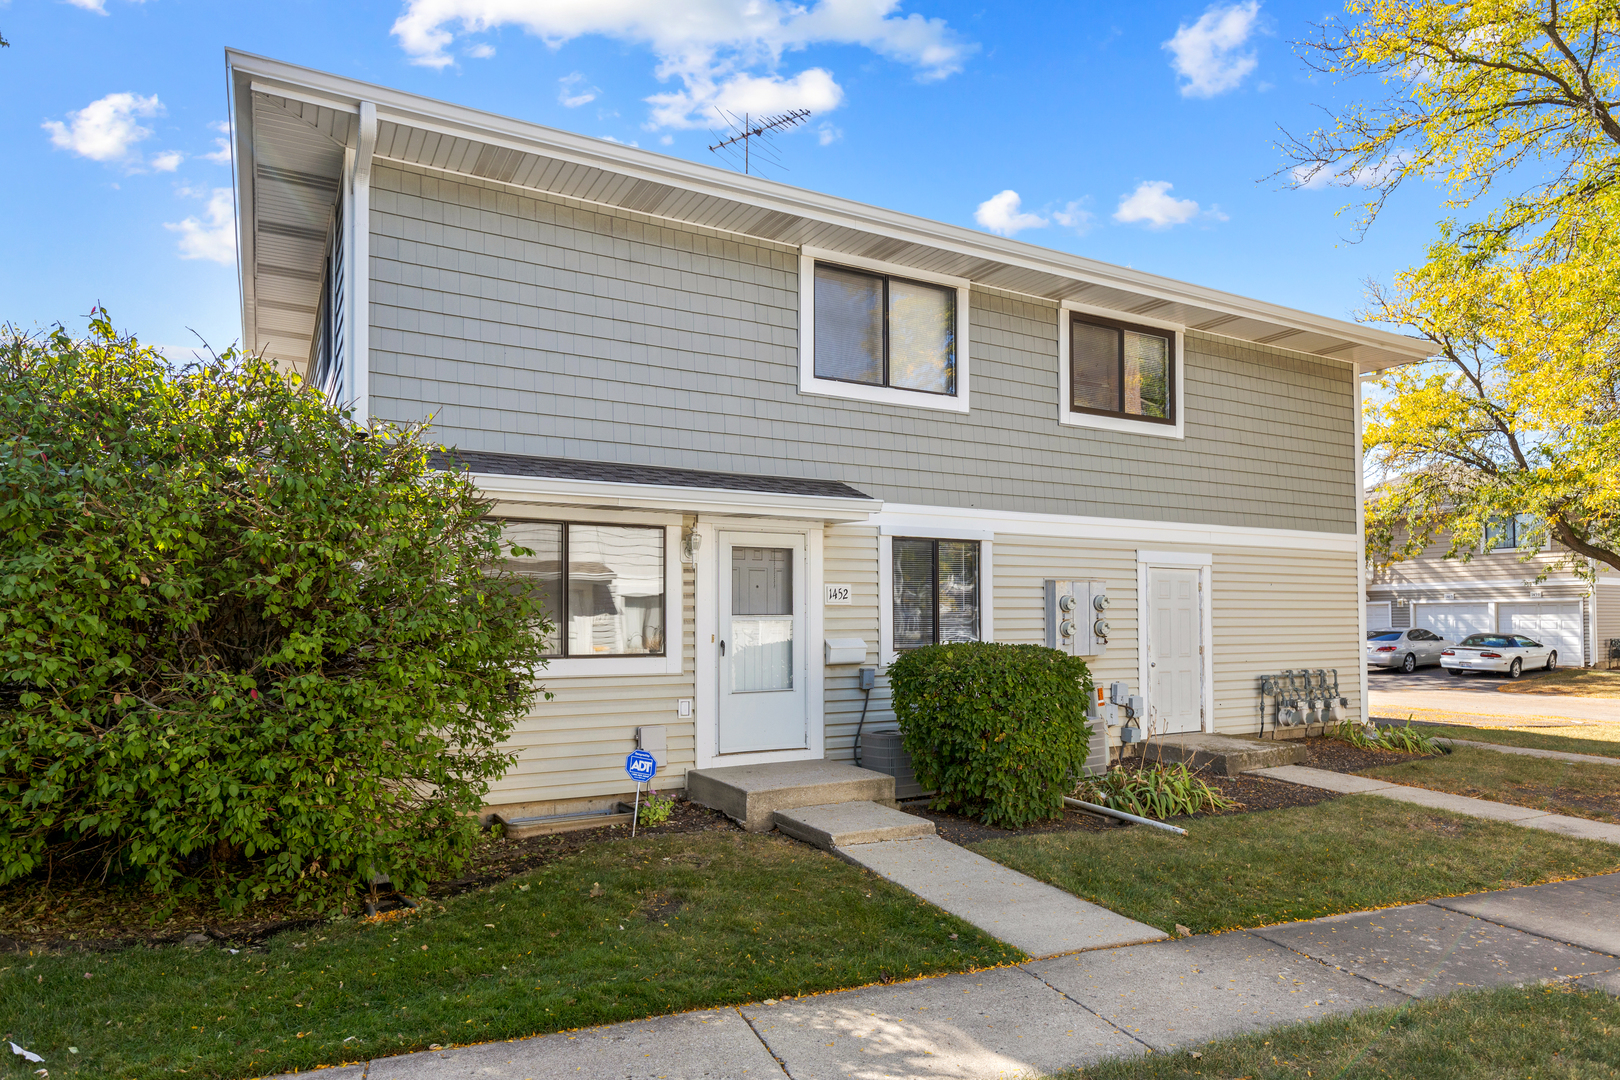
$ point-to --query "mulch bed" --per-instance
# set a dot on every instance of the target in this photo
(89, 915)
(1336, 756)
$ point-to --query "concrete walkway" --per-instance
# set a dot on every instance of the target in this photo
(1530, 751)
(1350, 784)
(1075, 1010)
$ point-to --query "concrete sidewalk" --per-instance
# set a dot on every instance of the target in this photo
(1046, 1015)
(1530, 751)
(1351, 784)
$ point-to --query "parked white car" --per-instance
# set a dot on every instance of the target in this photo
(1404, 649)
(1507, 654)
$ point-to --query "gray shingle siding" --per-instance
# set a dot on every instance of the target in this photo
(546, 327)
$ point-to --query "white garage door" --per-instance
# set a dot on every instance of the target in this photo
(1556, 624)
(1378, 615)
(1453, 621)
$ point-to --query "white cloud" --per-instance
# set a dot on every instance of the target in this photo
(213, 239)
(1076, 216)
(720, 50)
(1316, 177)
(97, 6)
(482, 51)
(570, 93)
(105, 129)
(1152, 204)
(221, 154)
(827, 134)
(744, 94)
(1000, 214)
(167, 161)
(1208, 52)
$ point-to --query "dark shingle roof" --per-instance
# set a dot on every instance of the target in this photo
(613, 472)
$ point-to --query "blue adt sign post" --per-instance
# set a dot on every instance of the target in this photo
(641, 766)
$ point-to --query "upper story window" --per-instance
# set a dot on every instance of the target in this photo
(1510, 533)
(1120, 370)
(602, 586)
(870, 331)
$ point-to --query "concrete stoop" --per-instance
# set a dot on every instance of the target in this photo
(1222, 755)
(752, 794)
(839, 825)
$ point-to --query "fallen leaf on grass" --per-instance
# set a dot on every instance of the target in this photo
(26, 1055)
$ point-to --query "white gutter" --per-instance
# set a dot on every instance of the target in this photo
(670, 497)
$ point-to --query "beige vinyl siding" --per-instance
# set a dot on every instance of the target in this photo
(1431, 571)
(573, 747)
(1607, 621)
(850, 557)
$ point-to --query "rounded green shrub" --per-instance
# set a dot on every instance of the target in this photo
(247, 647)
(998, 731)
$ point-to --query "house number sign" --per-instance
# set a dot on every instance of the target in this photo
(838, 594)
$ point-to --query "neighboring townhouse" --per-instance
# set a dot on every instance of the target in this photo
(761, 438)
(1500, 588)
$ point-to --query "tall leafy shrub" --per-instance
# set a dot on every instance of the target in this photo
(246, 646)
(996, 730)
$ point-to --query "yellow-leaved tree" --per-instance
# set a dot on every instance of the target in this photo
(1510, 106)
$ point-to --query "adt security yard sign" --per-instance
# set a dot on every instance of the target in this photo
(641, 766)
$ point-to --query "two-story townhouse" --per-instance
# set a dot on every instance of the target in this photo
(1515, 583)
(762, 438)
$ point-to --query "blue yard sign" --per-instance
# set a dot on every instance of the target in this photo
(641, 766)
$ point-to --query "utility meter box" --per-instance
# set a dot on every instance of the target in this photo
(1077, 617)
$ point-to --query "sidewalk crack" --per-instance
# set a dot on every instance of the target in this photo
(1087, 1008)
(762, 1041)
(1331, 967)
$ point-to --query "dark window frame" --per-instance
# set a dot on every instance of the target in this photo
(561, 619)
(1172, 404)
(956, 322)
(934, 542)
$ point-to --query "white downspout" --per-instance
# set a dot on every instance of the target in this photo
(360, 268)
(1361, 560)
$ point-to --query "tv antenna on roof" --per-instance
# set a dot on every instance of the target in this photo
(749, 128)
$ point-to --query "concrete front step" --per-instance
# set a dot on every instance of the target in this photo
(751, 794)
(838, 825)
(1223, 755)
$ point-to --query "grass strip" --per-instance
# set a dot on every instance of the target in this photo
(1535, 740)
(1302, 862)
(1577, 681)
(1558, 787)
(617, 932)
(1552, 1031)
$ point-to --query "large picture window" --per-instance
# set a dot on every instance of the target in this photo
(936, 592)
(602, 585)
(877, 330)
(1116, 369)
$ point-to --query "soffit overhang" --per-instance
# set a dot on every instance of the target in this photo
(294, 125)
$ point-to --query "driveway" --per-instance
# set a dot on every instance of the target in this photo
(1430, 691)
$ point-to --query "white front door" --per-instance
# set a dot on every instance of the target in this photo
(763, 651)
(1175, 653)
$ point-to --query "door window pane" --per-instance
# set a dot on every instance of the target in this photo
(1147, 374)
(543, 569)
(849, 326)
(615, 590)
(922, 337)
(936, 592)
(761, 619)
(1094, 367)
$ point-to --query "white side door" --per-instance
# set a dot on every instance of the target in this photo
(1175, 654)
(763, 651)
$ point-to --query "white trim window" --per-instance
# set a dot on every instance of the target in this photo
(936, 591)
(1120, 374)
(871, 331)
(607, 589)
(1513, 533)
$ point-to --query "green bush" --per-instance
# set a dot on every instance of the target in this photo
(246, 647)
(996, 730)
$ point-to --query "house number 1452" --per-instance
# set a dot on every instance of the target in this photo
(838, 594)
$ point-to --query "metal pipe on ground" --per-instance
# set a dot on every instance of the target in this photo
(1122, 815)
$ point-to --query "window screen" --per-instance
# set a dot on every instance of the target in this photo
(1121, 370)
(883, 331)
(602, 585)
(936, 592)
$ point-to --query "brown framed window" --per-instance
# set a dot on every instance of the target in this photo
(601, 585)
(878, 330)
(1118, 369)
(936, 592)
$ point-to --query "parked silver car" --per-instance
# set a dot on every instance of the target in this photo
(1404, 649)
(1507, 654)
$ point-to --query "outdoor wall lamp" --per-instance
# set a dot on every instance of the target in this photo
(690, 543)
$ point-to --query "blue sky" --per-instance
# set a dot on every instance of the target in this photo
(1137, 134)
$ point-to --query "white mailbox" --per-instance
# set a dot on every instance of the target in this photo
(845, 650)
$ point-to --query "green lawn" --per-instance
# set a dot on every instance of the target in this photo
(1525, 1034)
(676, 923)
(1559, 787)
(1582, 682)
(1533, 739)
(1302, 862)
